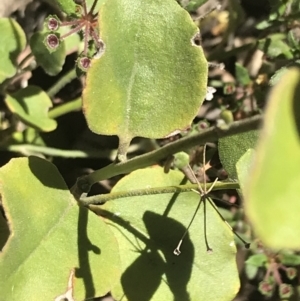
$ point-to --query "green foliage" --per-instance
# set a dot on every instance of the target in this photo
(67, 6)
(52, 239)
(13, 41)
(31, 106)
(157, 223)
(278, 150)
(145, 74)
(243, 167)
(231, 150)
(160, 66)
(242, 74)
(51, 62)
(192, 5)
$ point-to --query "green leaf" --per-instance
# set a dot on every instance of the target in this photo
(272, 192)
(194, 4)
(243, 167)
(274, 46)
(31, 104)
(13, 41)
(52, 63)
(242, 74)
(148, 229)
(51, 237)
(279, 73)
(257, 260)
(67, 6)
(290, 259)
(253, 263)
(150, 79)
(232, 148)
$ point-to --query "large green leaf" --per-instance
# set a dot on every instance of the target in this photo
(243, 167)
(151, 78)
(148, 228)
(232, 148)
(31, 104)
(13, 41)
(272, 192)
(51, 237)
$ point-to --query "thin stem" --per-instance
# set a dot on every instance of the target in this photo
(95, 36)
(26, 60)
(103, 198)
(65, 108)
(86, 38)
(93, 7)
(210, 135)
(84, 7)
(208, 248)
(246, 244)
(74, 30)
(63, 81)
(177, 249)
(70, 23)
(29, 149)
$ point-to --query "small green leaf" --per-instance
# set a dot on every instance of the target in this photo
(257, 260)
(13, 41)
(53, 241)
(242, 75)
(148, 229)
(279, 73)
(194, 4)
(253, 263)
(232, 148)
(274, 46)
(67, 6)
(31, 104)
(53, 62)
(157, 83)
(251, 271)
(290, 259)
(272, 191)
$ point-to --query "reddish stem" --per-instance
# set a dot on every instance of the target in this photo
(74, 30)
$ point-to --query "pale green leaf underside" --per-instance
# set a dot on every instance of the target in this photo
(272, 192)
(147, 238)
(13, 41)
(31, 104)
(243, 167)
(150, 78)
(51, 237)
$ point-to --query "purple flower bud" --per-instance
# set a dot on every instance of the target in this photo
(52, 24)
(52, 41)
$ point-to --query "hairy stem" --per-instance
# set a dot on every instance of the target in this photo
(84, 183)
(102, 198)
(65, 108)
(63, 81)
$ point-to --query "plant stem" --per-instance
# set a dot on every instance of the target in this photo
(29, 149)
(84, 183)
(102, 198)
(64, 80)
(65, 108)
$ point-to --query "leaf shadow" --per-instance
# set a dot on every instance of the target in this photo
(156, 263)
(47, 174)
(84, 246)
(13, 54)
(296, 108)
